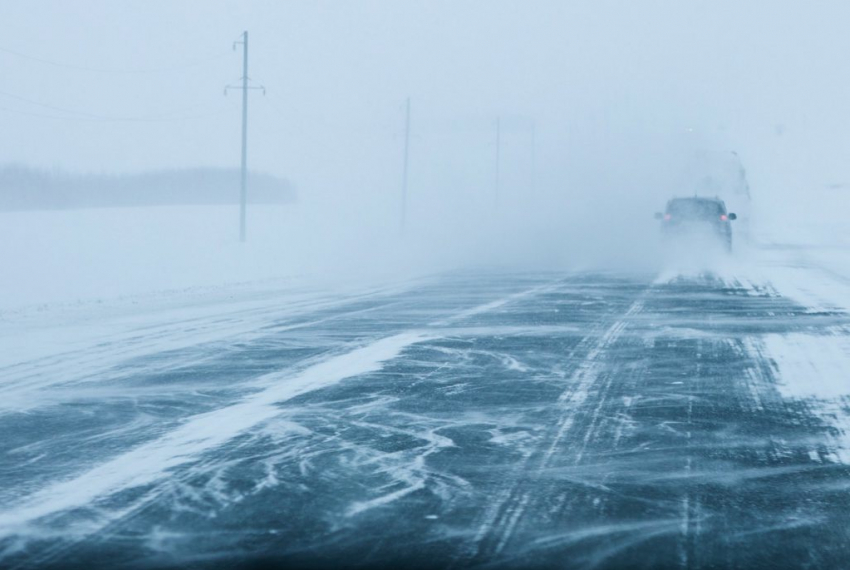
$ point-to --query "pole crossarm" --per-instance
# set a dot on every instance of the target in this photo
(240, 88)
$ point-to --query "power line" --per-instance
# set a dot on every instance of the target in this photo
(171, 119)
(117, 71)
(40, 115)
(93, 117)
(164, 119)
(47, 106)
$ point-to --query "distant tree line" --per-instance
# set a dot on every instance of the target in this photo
(27, 188)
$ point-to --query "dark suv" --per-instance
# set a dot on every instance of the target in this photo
(691, 215)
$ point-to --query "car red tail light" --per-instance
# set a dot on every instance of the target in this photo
(724, 217)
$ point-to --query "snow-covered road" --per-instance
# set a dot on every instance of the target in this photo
(685, 419)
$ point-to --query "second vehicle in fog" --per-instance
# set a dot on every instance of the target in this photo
(693, 217)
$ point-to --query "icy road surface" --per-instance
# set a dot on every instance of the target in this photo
(680, 420)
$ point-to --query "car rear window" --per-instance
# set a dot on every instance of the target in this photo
(694, 209)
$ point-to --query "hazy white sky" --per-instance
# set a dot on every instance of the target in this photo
(594, 76)
(621, 93)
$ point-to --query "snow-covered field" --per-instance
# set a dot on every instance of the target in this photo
(99, 254)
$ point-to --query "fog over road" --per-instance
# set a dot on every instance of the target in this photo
(474, 419)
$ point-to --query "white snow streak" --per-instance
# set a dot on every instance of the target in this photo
(152, 461)
(487, 307)
(810, 366)
(816, 369)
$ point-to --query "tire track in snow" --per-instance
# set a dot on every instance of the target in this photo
(499, 521)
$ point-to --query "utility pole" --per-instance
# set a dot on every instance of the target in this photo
(533, 158)
(406, 156)
(498, 158)
(243, 193)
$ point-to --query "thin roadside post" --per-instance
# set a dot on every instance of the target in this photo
(243, 190)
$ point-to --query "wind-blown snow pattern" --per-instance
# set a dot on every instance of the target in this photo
(681, 419)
